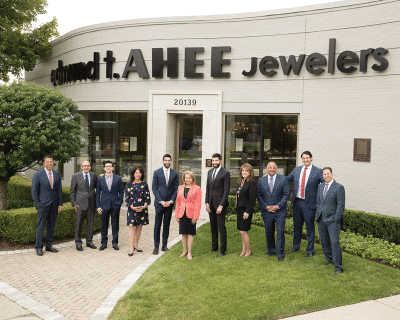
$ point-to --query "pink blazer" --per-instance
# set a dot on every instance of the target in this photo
(192, 204)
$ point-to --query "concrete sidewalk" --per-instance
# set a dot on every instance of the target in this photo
(87, 285)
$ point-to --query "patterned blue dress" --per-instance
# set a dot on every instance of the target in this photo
(137, 194)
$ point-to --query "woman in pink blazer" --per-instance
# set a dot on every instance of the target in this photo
(187, 211)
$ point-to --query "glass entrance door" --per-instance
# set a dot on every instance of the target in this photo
(190, 131)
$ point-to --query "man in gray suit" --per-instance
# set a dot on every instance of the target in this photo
(272, 194)
(330, 207)
(83, 199)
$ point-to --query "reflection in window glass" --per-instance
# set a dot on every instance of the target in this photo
(257, 140)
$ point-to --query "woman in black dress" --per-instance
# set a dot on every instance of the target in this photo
(246, 194)
(137, 198)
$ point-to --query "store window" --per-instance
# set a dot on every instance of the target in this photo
(115, 136)
(259, 139)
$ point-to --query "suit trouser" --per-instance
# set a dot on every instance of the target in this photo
(81, 215)
(162, 216)
(329, 236)
(217, 223)
(105, 218)
(301, 214)
(269, 223)
(46, 214)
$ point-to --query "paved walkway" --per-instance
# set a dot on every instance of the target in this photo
(87, 285)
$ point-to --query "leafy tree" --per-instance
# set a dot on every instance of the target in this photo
(21, 44)
(34, 121)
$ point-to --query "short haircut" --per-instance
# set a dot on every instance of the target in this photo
(132, 175)
(307, 153)
(249, 168)
(217, 155)
(108, 161)
(191, 174)
(167, 155)
(48, 157)
(327, 168)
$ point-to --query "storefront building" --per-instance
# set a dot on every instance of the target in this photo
(255, 87)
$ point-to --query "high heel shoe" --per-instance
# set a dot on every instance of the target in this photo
(130, 254)
(138, 250)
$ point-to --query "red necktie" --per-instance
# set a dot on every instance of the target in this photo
(50, 180)
(303, 182)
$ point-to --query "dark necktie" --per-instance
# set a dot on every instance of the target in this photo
(271, 183)
(87, 180)
(213, 176)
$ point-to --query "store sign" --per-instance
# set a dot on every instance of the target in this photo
(315, 63)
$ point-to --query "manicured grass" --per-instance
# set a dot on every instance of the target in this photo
(257, 287)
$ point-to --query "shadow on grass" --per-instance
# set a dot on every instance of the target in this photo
(256, 287)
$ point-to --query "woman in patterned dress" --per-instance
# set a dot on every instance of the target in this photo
(137, 198)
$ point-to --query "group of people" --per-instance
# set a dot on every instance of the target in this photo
(316, 197)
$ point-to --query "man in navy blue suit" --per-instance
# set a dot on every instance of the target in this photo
(165, 186)
(330, 207)
(47, 197)
(273, 193)
(305, 186)
(109, 198)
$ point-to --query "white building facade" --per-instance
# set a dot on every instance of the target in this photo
(254, 87)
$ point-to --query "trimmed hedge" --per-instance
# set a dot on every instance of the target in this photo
(19, 225)
(19, 193)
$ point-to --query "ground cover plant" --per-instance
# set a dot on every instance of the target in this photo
(257, 287)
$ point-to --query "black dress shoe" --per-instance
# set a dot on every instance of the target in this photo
(103, 246)
(115, 246)
(39, 252)
(79, 247)
(51, 249)
(281, 258)
(212, 251)
(155, 251)
(309, 255)
(164, 249)
(338, 271)
(91, 245)
(292, 250)
(220, 255)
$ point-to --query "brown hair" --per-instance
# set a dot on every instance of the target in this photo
(249, 168)
(132, 176)
(191, 174)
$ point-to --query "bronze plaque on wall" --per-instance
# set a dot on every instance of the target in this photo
(362, 150)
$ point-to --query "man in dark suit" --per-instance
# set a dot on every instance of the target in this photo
(47, 197)
(330, 207)
(109, 198)
(165, 186)
(273, 193)
(217, 191)
(305, 186)
(83, 199)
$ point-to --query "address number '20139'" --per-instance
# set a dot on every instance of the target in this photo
(184, 102)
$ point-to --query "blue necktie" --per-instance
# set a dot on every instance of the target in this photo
(326, 190)
(87, 180)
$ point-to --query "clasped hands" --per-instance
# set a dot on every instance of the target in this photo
(139, 208)
(272, 209)
(166, 204)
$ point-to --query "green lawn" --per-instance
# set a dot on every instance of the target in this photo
(257, 287)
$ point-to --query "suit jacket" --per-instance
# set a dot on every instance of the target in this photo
(42, 193)
(192, 204)
(331, 208)
(311, 187)
(278, 197)
(247, 196)
(113, 199)
(217, 191)
(80, 194)
(161, 191)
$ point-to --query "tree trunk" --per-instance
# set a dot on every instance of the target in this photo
(3, 195)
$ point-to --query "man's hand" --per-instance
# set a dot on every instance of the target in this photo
(76, 208)
(208, 208)
(245, 216)
(59, 209)
(219, 210)
(99, 210)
